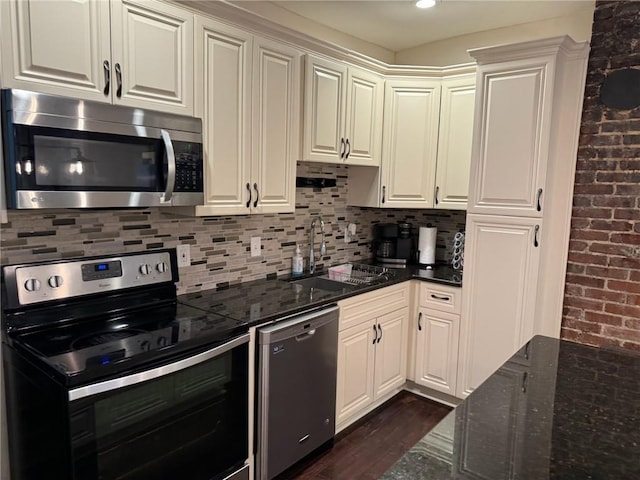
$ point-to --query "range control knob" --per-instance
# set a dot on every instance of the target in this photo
(145, 269)
(32, 285)
(145, 345)
(55, 281)
(162, 342)
(161, 267)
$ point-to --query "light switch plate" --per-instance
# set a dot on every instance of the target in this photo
(255, 246)
(184, 255)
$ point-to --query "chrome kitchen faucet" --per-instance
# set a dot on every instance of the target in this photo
(323, 245)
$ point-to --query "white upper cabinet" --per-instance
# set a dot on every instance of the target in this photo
(410, 143)
(343, 113)
(248, 95)
(454, 142)
(276, 130)
(223, 101)
(119, 51)
(511, 148)
(152, 56)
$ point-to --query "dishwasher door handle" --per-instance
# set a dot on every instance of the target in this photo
(305, 336)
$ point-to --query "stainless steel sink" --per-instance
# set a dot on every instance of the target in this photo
(356, 276)
(321, 283)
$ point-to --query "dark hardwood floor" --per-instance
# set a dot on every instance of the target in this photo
(367, 449)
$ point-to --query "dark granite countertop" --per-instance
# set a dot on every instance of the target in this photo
(555, 410)
(262, 301)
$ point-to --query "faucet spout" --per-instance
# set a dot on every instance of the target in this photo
(323, 246)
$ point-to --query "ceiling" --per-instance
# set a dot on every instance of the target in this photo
(398, 25)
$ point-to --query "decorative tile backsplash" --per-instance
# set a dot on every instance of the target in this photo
(220, 246)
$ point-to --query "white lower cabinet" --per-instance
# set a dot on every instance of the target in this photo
(502, 257)
(437, 332)
(372, 351)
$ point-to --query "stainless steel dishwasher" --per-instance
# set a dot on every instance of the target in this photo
(297, 389)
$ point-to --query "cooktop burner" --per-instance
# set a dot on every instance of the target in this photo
(92, 348)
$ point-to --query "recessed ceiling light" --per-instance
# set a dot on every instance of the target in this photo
(425, 3)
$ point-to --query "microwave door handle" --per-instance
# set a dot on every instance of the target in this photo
(136, 378)
(171, 173)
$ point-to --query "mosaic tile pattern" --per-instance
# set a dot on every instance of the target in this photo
(220, 246)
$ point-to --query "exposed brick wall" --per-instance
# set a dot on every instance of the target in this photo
(602, 296)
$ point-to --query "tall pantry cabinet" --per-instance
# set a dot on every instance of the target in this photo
(527, 120)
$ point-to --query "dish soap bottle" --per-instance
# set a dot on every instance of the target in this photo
(297, 264)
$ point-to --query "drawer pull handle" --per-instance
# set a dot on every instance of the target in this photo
(304, 438)
(384, 191)
(420, 321)
(380, 337)
(438, 297)
(536, 243)
(375, 332)
(436, 195)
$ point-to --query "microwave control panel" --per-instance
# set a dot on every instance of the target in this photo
(188, 167)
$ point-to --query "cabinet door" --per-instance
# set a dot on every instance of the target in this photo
(437, 350)
(223, 93)
(498, 305)
(454, 142)
(276, 126)
(56, 47)
(324, 109)
(391, 352)
(410, 142)
(363, 134)
(512, 140)
(356, 353)
(152, 48)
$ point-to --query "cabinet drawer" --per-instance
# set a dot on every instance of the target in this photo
(443, 298)
(364, 307)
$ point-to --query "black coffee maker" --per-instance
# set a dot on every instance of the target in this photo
(394, 243)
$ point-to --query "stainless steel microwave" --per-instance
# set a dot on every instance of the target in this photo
(67, 153)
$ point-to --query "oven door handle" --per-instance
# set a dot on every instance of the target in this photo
(133, 379)
(171, 168)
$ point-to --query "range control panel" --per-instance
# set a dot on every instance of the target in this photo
(59, 280)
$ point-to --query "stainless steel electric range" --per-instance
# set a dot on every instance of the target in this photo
(108, 376)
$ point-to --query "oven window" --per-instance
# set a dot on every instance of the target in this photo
(194, 421)
(69, 160)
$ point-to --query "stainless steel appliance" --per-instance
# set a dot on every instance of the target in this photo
(67, 153)
(108, 376)
(297, 389)
(394, 243)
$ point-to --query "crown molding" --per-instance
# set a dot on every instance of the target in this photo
(235, 15)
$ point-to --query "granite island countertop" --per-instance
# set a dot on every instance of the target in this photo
(555, 410)
(263, 301)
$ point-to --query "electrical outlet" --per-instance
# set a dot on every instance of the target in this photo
(184, 255)
(255, 246)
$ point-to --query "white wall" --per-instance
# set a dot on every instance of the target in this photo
(288, 19)
(453, 51)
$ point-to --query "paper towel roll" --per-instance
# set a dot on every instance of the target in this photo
(427, 245)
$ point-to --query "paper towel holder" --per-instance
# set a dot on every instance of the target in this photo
(427, 246)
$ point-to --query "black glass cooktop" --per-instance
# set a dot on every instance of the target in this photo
(94, 348)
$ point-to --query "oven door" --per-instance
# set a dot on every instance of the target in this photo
(187, 419)
(50, 167)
